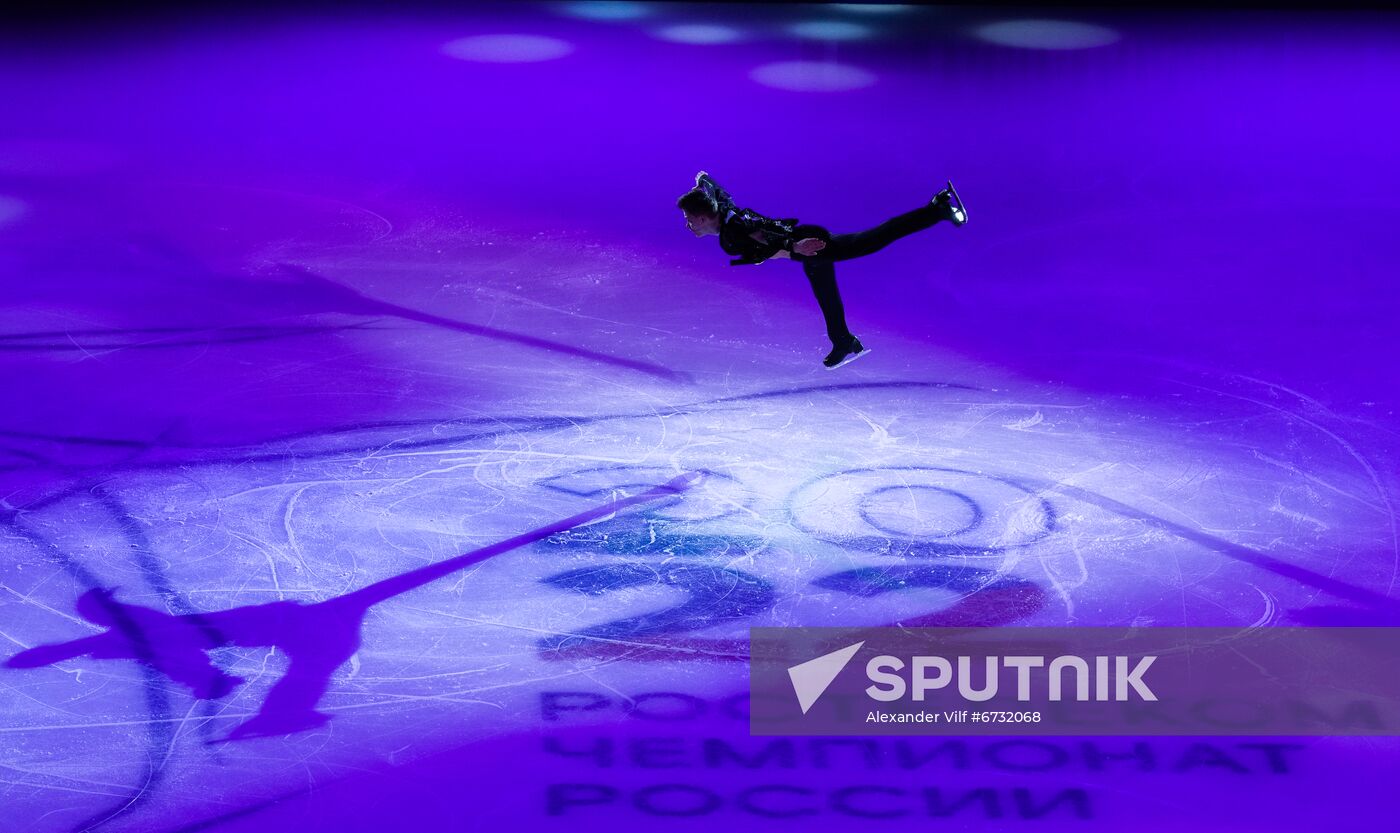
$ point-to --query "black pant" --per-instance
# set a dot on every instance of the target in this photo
(821, 268)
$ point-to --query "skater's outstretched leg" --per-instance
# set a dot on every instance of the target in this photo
(862, 243)
(945, 205)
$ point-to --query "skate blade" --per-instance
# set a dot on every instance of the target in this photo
(849, 359)
(959, 210)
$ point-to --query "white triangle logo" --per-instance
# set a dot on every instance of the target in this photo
(812, 677)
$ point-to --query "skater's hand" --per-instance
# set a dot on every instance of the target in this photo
(808, 246)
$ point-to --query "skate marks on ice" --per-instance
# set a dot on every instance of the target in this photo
(156, 266)
(959, 516)
(393, 436)
(952, 507)
(97, 342)
(333, 296)
(160, 725)
(912, 538)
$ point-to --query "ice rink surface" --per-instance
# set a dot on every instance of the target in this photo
(298, 306)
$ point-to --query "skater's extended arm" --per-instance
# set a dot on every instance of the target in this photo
(41, 655)
(806, 247)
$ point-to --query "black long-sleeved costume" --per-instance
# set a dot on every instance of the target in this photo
(755, 238)
(750, 236)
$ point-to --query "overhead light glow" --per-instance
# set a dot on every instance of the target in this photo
(1046, 34)
(704, 34)
(872, 8)
(608, 10)
(829, 30)
(507, 49)
(812, 76)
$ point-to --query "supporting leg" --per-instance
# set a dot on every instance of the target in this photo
(822, 275)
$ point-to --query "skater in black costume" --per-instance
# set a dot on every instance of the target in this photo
(754, 238)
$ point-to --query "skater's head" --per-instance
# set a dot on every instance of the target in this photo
(701, 212)
(98, 606)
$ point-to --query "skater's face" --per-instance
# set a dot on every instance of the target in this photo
(702, 224)
(96, 607)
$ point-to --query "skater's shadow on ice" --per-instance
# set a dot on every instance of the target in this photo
(317, 638)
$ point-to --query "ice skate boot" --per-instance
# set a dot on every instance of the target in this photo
(845, 354)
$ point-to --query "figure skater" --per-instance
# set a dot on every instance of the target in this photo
(753, 238)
